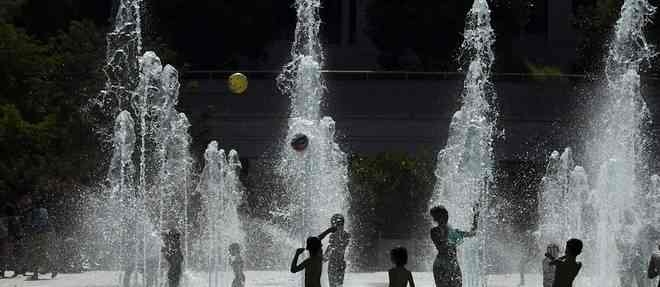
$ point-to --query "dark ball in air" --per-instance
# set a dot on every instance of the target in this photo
(299, 142)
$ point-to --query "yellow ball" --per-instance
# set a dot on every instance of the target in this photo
(238, 83)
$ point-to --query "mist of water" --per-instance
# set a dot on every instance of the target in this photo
(565, 202)
(619, 146)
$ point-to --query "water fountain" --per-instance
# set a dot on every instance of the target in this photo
(158, 199)
(151, 166)
(221, 193)
(315, 177)
(464, 167)
(619, 145)
(564, 201)
(124, 45)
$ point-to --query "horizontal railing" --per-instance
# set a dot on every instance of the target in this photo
(391, 75)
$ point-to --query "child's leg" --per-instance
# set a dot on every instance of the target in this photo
(336, 273)
(521, 269)
(174, 276)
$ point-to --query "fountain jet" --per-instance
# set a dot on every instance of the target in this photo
(464, 167)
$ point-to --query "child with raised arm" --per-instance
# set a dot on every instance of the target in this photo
(236, 262)
(446, 271)
(400, 276)
(313, 265)
(566, 267)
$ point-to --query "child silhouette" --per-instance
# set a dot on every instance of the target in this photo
(399, 276)
(567, 268)
(654, 265)
(446, 271)
(313, 265)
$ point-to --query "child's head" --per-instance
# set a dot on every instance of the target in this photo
(234, 249)
(553, 250)
(337, 220)
(440, 214)
(399, 256)
(573, 247)
(314, 245)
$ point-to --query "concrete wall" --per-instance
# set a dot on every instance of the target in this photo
(395, 112)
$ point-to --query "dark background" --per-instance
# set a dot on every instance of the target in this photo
(392, 102)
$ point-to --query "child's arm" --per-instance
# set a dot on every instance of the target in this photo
(295, 268)
(411, 282)
(553, 260)
(326, 232)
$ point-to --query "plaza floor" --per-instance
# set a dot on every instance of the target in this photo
(254, 279)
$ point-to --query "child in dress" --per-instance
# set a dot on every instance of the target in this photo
(339, 240)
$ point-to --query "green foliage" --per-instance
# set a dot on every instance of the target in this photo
(385, 188)
(24, 148)
(46, 139)
(541, 71)
(43, 19)
(24, 69)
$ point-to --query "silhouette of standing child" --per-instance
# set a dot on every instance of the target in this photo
(236, 262)
(399, 276)
(566, 267)
(654, 265)
(446, 271)
(548, 268)
(313, 265)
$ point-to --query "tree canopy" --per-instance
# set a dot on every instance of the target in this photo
(44, 85)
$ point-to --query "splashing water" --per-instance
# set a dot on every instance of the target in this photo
(464, 166)
(315, 178)
(157, 196)
(124, 45)
(564, 201)
(151, 165)
(221, 193)
(619, 145)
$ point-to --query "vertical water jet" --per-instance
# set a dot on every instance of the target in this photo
(465, 166)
